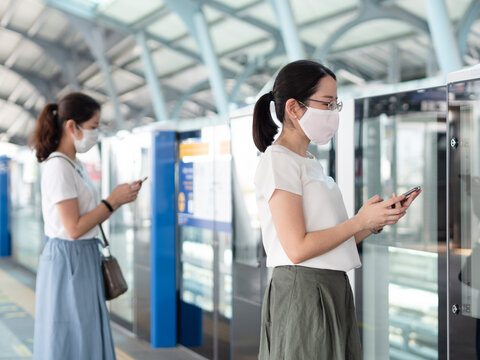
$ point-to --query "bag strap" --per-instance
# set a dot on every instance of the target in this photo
(69, 161)
(105, 241)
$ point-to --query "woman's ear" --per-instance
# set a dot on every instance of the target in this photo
(71, 127)
(293, 110)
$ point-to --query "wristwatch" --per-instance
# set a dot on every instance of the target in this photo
(375, 231)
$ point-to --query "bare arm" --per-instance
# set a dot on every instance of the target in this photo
(362, 235)
(77, 225)
(299, 245)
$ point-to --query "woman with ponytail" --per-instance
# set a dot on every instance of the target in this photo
(308, 310)
(72, 320)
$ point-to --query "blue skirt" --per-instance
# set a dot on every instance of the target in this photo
(71, 317)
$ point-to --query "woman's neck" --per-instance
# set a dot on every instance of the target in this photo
(293, 141)
(67, 148)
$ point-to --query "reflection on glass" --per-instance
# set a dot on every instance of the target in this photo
(126, 160)
(204, 219)
(26, 209)
(464, 197)
(400, 144)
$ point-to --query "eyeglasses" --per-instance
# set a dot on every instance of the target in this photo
(332, 104)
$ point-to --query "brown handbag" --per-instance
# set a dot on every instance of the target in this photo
(115, 284)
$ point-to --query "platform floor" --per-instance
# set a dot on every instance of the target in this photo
(17, 312)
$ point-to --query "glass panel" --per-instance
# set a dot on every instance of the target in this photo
(26, 209)
(464, 210)
(400, 144)
(204, 218)
(126, 159)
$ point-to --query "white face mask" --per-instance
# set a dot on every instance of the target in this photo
(89, 140)
(319, 125)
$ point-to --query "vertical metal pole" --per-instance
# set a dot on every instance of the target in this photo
(288, 28)
(158, 101)
(95, 42)
(442, 36)
(194, 19)
(211, 61)
(394, 69)
(97, 46)
(5, 241)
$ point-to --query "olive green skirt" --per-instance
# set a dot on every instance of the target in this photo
(308, 314)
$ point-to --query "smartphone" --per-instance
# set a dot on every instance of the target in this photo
(412, 190)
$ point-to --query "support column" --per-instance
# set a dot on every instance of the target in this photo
(288, 28)
(394, 68)
(158, 101)
(210, 58)
(95, 41)
(5, 242)
(443, 39)
(193, 17)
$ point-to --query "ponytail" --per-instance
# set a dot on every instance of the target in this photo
(48, 132)
(264, 128)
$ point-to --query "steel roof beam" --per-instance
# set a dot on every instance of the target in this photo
(276, 33)
(186, 95)
(95, 40)
(237, 14)
(156, 94)
(55, 52)
(194, 18)
(37, 24)
(149, 19)
(465, 25)
(18, 104)
(443, 39)
(288, 29)
(43, 86)
(12, 7)
(368, 12)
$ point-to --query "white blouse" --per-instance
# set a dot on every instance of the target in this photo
(323, 206)
(61, 181)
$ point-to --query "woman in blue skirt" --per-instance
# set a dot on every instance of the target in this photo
(308, 311)
(71, 320)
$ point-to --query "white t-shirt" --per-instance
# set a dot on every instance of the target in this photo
(60, 181)
(323, 206)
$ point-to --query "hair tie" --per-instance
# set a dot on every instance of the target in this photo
(270, 93)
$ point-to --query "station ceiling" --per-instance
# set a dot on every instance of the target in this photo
(47, 51)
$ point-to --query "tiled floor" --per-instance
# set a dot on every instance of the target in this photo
(17, 304)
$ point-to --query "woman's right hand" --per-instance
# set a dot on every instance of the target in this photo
(376, 212)
(124, 193)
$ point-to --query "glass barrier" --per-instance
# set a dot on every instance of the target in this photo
(26, 209)
(464, 219)
(204, 211)
(126, 159)
(400, 143)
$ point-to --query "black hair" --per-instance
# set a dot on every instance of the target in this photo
(48, 132)
(297, 80)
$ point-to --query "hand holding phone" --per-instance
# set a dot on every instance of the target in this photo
(412, 190)
(408, 193)
(138, 183)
